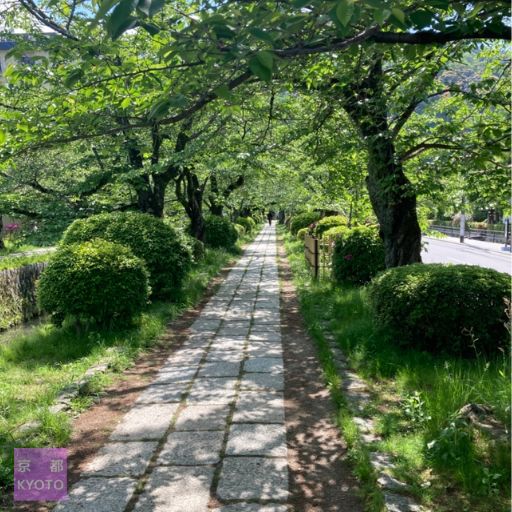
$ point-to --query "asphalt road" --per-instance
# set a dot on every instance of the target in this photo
(450, 250)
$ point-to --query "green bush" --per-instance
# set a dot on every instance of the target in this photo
(96, 280)
(219, 232)
(166, 255)
(332, 234)
(248, 223)
(302, 220)
(240, 230)
(358, 256)
(329, 222)
(301, 234)
(458, 309)
(194, 246)
(198, 250)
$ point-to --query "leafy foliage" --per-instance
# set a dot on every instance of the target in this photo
(247, 222)
(219, 232)
(303, 220)
(335, 232)
(301, 234)
(97, 280)
(329, 222)
(240, 230)
(166, 256)
(457, 309)
(358, 256)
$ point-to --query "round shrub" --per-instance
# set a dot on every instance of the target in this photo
(301, 234)
(96, 280)
(166, 255)
(332, 234)
(329, 222)
(457, 309)
(219, 232)
(302, 220)
(358, 256)
(247, 222)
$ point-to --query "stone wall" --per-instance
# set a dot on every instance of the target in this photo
(18, 294)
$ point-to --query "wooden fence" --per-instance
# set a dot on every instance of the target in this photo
(318, 255)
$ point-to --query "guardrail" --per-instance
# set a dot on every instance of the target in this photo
(486, 235)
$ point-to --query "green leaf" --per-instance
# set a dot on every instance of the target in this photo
(266, 59)
(375, 4)
(126, 102)
(105, 6)
(381, 15)
(178, 101)
(143, 6)
(344, 11)
(257, 69)
(159, 109)
(300, 3)
(73, 77)
(223, 32)
(261, 34)
(398, 14)
(223, 92)
(121, 20)
(3, 137)
(150, 28)
(421, 18)
(156, 6)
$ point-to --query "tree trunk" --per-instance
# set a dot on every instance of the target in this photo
(2, 244)
(190, 194)
(394, 203)
(150, 199)
(391, 193)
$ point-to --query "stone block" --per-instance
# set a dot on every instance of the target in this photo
(191, 448)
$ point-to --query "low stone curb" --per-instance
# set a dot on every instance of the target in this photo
(358, 396)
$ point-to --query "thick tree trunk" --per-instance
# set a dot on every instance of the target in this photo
(394, 203)
(196, 221)
(391, 193)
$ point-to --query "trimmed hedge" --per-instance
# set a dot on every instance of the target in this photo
(358, 256)
(303, 220)
(167, 257)
(456, 309)
(247, 222)
(97, 280)
(335, 232)
(219, 232)
(329, 222)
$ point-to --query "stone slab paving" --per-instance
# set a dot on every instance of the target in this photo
(210, 428)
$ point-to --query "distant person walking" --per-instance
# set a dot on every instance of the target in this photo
(269, 217)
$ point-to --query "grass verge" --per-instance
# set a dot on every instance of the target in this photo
(40, 362)
(10, 262)
(449, 466)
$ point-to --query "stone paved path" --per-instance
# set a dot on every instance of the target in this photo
(209, 430)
